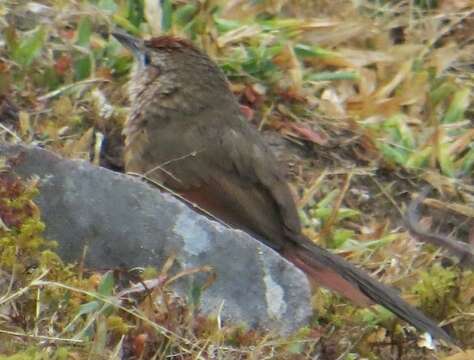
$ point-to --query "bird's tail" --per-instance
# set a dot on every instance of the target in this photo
(334, 272)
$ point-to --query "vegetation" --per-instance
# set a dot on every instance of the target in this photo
(376, 98)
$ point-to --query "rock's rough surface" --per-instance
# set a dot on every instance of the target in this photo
(125, 222)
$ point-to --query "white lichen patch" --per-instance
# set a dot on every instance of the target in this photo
(274, 294)
(276, 305)
(196, 239)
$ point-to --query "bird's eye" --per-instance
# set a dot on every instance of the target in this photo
(146, 59)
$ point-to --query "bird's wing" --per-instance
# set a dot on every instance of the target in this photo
(235, 177)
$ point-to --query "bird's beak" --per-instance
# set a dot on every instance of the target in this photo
(135, 45)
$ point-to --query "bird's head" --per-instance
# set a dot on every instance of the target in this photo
(167, 65)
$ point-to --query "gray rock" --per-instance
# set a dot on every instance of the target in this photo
(125, 222)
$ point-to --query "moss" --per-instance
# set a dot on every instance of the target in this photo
(150, 273)
(21, 238)
(436, 291)
(29, 354)
(34, 353)
(27, 255)
(117, 325)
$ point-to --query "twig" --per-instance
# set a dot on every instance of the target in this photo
(332, 218)
(68, 87)
(11, 132)
(463, 251)
(180, 197)
(41, 337)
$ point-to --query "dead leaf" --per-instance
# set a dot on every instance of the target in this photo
(63, 64)
(453, 5)
(238, 35)
(401, 75)
(332, 104)
(25, 125)
(139, 343)
(152, 12)
(306, 133)
(359, 58)
(247, 112)
(288, 61)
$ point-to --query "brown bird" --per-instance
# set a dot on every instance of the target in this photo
(186, 131)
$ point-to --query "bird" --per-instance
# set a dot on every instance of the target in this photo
(185, 130)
